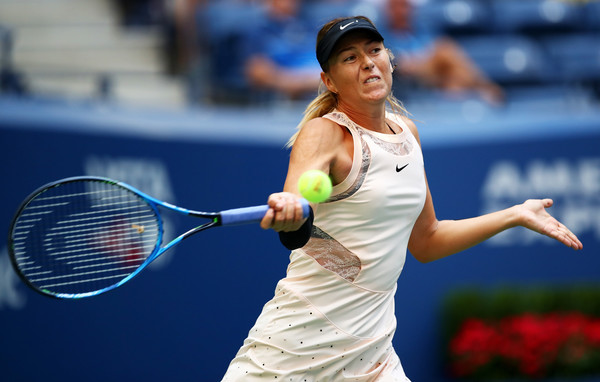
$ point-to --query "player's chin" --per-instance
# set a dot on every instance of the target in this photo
(377, 94)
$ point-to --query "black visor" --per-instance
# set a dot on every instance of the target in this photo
(327, 44)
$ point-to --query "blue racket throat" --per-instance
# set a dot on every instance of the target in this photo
(83, 236)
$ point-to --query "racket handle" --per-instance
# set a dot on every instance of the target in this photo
(253, 214)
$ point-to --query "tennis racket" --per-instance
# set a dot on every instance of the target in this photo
(83, 236)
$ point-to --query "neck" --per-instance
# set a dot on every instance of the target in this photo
(371, 119)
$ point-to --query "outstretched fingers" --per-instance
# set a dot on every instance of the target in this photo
(564, 235)
(538, 219)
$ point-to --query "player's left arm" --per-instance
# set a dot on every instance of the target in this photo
(433, 239)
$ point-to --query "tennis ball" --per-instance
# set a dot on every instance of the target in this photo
(315, 186)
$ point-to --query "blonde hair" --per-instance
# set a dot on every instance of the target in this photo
(326, 101)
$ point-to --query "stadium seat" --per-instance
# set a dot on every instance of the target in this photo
(509, 60)
(577, 57)
(320, 12)
(591, 11)
(222, 25)
(536, 16)
(456, 16)
(220, 19)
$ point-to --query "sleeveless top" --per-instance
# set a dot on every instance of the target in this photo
(332, 317)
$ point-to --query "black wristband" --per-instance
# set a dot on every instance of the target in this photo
(297, 239)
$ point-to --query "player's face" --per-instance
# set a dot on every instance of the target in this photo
(359, 69)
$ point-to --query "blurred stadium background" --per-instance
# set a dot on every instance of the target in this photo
(98, 87)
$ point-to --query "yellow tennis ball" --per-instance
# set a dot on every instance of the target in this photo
(315, 186)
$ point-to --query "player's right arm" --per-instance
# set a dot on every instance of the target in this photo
(320, 145)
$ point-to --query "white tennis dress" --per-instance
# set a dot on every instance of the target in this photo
(332, 317)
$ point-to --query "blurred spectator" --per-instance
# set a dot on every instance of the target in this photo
(185, 43)
(279, 51)
(434, 61)
(177, 21)
(11, 81)
(140, 12)
(175, 17)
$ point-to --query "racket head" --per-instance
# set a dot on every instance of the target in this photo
(82, 236)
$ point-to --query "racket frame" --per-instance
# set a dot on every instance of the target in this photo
(227, 217)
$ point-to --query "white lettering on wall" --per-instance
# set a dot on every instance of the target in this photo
(574, 185)
(147, 175)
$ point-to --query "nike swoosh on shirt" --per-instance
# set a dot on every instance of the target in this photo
(398, 169)
(342, 27)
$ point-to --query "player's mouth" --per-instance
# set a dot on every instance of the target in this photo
(372, 79)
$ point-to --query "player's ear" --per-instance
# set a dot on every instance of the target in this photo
(328, 82)
(392, 58)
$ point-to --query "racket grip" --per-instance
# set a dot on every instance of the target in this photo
(253, 214)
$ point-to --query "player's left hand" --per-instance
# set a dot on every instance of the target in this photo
(533, 215)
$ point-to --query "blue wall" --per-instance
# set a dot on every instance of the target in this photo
(184, 318)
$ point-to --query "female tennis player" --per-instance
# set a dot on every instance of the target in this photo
(332, 316)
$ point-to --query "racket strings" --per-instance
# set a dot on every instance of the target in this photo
(89, 236)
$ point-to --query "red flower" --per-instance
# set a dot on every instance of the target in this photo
(592, 332)
(532, 344)
(475, 344)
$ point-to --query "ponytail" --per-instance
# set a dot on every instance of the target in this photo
(325, 102)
